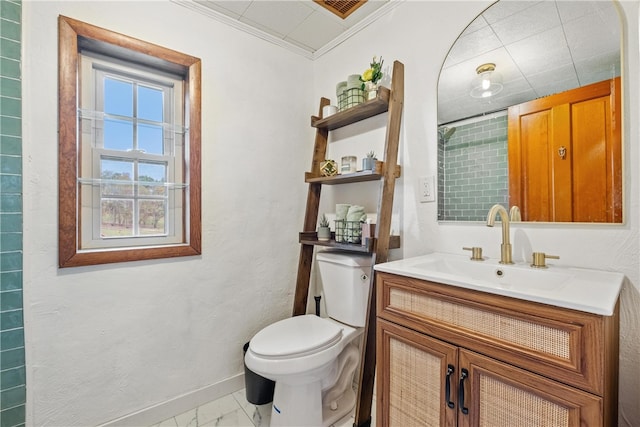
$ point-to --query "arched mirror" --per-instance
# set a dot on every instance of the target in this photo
(529, 114)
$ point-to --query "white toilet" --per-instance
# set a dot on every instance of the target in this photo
(313, 359)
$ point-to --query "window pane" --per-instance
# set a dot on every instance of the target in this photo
(117, 218)
(118, 97)
(152, 172)
(152, 216)
(118, 134)
(150, 104)
(116, 170)
(150, 139)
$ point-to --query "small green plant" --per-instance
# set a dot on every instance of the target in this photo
(324, 222)
(371, 154)
(373, 74)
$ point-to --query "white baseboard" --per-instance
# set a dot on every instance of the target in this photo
(165, 410)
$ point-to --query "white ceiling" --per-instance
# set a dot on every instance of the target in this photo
(301, 25)
(539, 47)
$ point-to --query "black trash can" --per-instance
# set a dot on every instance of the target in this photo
(258, 388)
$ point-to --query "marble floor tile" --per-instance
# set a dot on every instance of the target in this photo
(233, 410)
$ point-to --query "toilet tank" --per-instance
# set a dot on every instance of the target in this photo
(346, 282)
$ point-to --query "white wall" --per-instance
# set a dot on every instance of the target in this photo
(419, 33)
(103, 342)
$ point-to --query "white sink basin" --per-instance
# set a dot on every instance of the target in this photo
(593, 291)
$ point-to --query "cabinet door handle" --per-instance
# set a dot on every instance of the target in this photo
(463, 376)
(447, 386)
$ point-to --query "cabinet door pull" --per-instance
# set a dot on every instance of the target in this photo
(447, 386)
(463, 376)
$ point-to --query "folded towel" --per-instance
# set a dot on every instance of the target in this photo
(356, 213)
(341, 211)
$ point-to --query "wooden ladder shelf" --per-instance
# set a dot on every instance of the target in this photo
(386, 171)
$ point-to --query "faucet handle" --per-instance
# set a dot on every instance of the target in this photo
(539, 258)
(476, 253)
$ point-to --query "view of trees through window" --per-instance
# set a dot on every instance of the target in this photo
(118, 207)
(133, 198)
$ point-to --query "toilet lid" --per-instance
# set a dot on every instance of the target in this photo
(296, 336)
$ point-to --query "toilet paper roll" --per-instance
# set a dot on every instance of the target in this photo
(329, 110)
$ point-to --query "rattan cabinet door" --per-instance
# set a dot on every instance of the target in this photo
(416, 379)
(498, 394)
(573, 347)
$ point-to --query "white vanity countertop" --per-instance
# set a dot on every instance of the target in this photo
(589, 290)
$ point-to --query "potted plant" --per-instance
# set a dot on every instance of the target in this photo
(371, 77)
(324, 232)
(369, 162)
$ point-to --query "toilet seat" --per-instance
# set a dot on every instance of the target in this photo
(295, 337)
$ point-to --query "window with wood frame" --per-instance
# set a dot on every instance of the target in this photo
(129, 148)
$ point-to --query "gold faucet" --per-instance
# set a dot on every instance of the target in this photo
(505, 247)
(514, 214)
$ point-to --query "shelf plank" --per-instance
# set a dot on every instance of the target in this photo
(361, 176)
(311, 238)
(354, 114)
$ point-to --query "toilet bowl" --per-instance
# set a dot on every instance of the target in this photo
(312, 359)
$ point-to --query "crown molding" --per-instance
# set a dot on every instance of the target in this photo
(191, 4)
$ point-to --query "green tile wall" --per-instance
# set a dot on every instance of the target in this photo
(476, 176)
(12, 363)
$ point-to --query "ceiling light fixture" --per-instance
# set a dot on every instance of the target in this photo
(487, 83)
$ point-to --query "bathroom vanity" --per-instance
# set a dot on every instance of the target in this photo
(464, 343)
